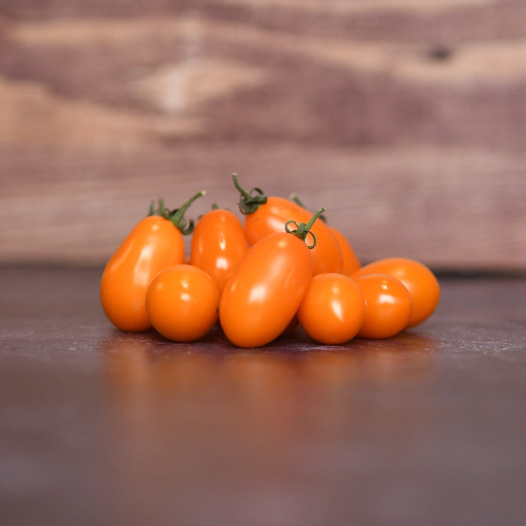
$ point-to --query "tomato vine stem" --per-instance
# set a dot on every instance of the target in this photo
(303, 229)
(176, 216)
(159, 211)
(250, 201)
(295, 199)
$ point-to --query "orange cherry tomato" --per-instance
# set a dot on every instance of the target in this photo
(155, 243)
(263, 295)
(387, 305)
(350, 262)
(418, 279)
(267, 215)
(333, 309)
(182, 303)
(218, 245)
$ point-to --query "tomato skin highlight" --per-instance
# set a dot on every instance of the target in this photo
(182, 302)
(333, 309)
(154, 244)
(350, 262)
(272, 216)
(263, 295)
(218, 245)
(388, 306)
(419, 280)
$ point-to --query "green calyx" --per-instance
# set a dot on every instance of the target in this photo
(295, 199)
(302, 230)
(176, 216)
(159, 211)
(249, 202)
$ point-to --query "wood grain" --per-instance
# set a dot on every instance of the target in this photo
(406, 120)
(103, 427)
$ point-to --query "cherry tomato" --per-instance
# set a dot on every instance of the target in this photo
(266, 215)
(218, 245)
(263, 295)
(155, 243)
(350, 262)
(333, 309)
(421, 283)
(387, 305)
(182, 302)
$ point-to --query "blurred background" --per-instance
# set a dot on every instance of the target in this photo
(406, 119)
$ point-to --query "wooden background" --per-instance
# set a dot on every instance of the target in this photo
(406, 119)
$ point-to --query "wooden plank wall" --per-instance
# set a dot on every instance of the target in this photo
(405, 118)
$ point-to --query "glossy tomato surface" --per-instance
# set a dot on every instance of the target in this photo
(272, 216)
(388, 306)
(419, 280)
(182, 303)
(218, 245)
(261, 298)
(154, 244)
(333, 309)
(350, 262)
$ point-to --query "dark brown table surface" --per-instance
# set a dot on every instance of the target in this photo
(101, 427)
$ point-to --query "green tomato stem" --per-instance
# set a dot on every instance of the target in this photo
(249, 203)
(295, 199)
(161, 210)
(302, 230)
(177, 216)
(151, 210)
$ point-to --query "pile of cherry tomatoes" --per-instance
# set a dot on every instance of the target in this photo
(282, 266)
